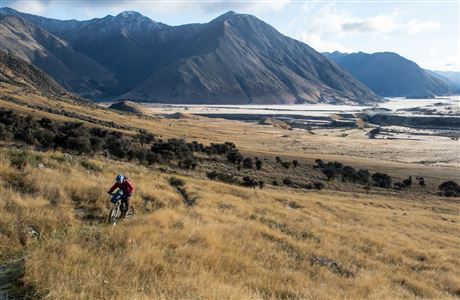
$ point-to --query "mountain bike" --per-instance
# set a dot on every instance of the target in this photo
(118, 208)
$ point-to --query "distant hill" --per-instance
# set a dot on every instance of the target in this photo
(235, 58)
(391, 75)
(19, 73)
(450, 77)
(129, 107)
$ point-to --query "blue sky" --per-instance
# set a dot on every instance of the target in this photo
(426, 32)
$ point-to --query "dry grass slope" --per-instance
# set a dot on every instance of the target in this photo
(235, 243)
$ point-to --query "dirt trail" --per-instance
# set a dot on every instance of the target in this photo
(10, 280)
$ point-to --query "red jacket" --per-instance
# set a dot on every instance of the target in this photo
(126, 186)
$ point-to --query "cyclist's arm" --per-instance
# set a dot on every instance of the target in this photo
(113, 188)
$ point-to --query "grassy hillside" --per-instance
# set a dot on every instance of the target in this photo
(235, 243)
(280, 242)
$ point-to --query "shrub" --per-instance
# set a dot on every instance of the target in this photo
(295, 163)
(176, 182)
(247, 163)
(318, 185)
(234, 157)
(261, 184)
(188, 163)
(286, 164)
(320, 163)
(224, 177)
(330, 172)
(364, 176)
(349, 174)
(258, 164)
(23, 159)
(449, 189)
(421, 181)
(287, 182)
(144, 137)
(250, 182)
(381, 180)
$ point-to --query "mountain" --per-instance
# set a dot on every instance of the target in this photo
(19, 73)
(235, 58)
(73, 70)
(240, 59)
(450, 77)
(391, 75)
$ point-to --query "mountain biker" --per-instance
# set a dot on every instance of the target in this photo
(127, 190)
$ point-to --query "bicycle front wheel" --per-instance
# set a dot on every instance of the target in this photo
(114, 214)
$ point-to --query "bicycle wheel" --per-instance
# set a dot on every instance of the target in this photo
(114, 214)
(130, 212)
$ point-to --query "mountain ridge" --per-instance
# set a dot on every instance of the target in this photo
(234, 58)
(389, 74)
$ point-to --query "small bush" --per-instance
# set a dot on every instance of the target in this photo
(144, 137)
(223, 177)
(23, 159)
(287, 182)
(286, 164)
(234, 157)
(295, 163)
(449, 189)
(247, 163)
(176, 182)
(381, 180)
(318, 185)
(250, 182)
(329, 172)
(258, 164)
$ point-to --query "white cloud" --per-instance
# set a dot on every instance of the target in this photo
(326, 20)
(414, 26)
(315, 41)
(31, 7)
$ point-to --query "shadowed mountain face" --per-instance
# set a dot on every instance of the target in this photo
(19, 73)
(75, 71)
(391, 75)
(449, 77)
(233, 59)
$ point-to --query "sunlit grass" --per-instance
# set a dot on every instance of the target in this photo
(236, 243)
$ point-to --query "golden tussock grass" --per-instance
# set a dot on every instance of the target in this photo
(235, 243)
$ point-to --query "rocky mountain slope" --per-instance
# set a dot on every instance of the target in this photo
(391, 75)
(17, 72)
(233, 59)
(73, 70)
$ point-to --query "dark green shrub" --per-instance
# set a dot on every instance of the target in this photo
(234, 157)
(381, 180)
(449, 189)
(287, 182)
(258, 164)
(247, 163)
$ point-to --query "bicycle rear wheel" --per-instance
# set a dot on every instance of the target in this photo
(130, 212)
